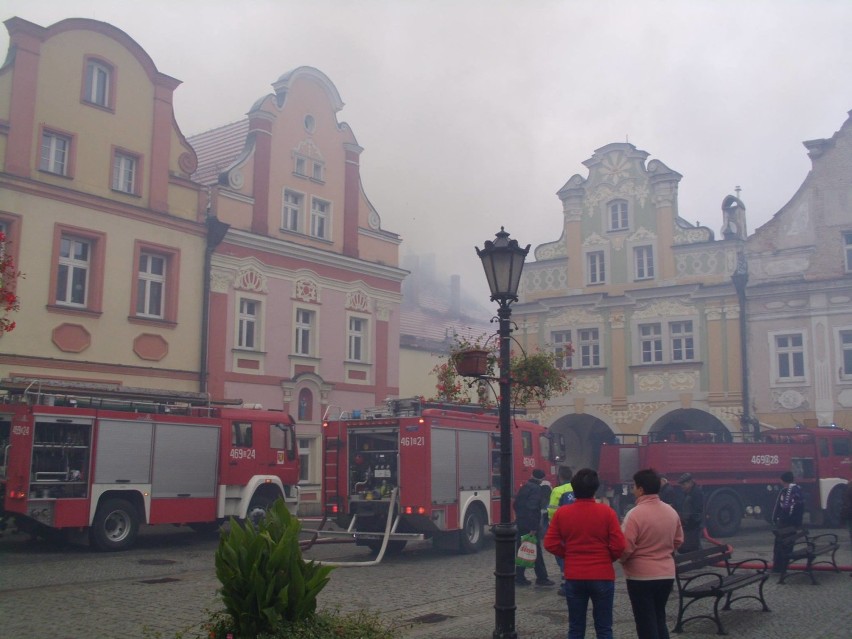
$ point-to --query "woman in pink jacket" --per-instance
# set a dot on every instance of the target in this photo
(652, 531)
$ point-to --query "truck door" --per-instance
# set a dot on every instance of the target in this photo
(241, 453)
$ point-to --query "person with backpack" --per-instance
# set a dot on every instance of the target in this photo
(562, 495)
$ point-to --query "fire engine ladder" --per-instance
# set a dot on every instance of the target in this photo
(351, 534)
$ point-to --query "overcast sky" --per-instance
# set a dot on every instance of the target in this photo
(473, 113)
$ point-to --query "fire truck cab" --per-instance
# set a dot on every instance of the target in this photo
(416, 470)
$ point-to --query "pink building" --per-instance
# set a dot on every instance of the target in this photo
(305, 285)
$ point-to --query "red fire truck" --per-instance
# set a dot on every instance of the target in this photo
(110, 462)
(436, 467)
(738, 478)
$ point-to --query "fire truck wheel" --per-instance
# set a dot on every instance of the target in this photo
(834, 507)
(115, 526)
(258, 506)
(724, 513)
(472, 534)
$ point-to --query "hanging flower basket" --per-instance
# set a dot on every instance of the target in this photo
(472, 362)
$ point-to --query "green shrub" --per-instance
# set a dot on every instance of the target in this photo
(322, 625)
(265, 582)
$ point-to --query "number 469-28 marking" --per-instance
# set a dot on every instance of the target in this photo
(765, 460)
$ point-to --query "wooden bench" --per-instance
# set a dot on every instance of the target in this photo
(800, 546)
(709, 573)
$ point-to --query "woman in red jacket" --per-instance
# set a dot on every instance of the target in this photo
(587, 536)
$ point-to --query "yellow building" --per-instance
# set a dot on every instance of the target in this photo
(646, 301)
(104, 221)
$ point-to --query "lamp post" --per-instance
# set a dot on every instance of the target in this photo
(740, 280)
(503, 261)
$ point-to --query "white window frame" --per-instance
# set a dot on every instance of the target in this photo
(98, 79)
(562, 359)
(73, 267)
(618, 215)
(847, 242)
(292, 215)
(125, 172)
(306, 446)
(788, 352)
(249, 322)
(682, 340)
(589, 347)
(596, 267)
(643, 262)
(651, 343)
(304, 335)
(357, 339)
(54, 145)
(318, 171)
(844, 353)
(320, 218)
(151, 285)
(300, 165)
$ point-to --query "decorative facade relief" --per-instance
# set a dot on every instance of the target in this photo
(220, 281)
(636, 412)
(307, 148)
(664, 308)
(692, 235)
(572, 317)
(236, 179)
(627, 189)
(546, 279)
(642, 234)
(591, 385)
(616, 319)
(306, 290)
(250, 278)
(383, 312)
(595, 239)
(679, 381)
(789, 399)
(358, 301)
(551, 250)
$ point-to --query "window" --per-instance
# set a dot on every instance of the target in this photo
(651, 343)
(562, 349)
(124, 173)
(98, 84)
(318, 171)
(526, 443)
(618, 216)
(320, 210)
(301, 166)
(683, 349)
(596, 270)
(790, 356)
(846, 357)
(241, 435)
(589, 347)
(305, 445)
(54, 153)
(304, 328)
(72, 276)
(644, 262)
(150, 285)
(293, 202)
(247, 335)
(847, 241)
(357, 339)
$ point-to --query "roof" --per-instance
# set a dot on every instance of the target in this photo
(217, 149)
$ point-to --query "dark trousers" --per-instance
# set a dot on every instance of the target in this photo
(578, 593)
(540, 570)
(648, 600)
(781, 555)
(691, 540)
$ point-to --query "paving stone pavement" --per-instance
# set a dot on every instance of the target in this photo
(165, 586)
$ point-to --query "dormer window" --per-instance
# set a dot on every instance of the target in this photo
(98, 84)
(301, 167)
(618, 218)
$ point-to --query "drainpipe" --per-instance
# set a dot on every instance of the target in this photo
(216, 231)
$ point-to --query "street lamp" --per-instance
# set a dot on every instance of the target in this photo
(503, 261)
(740, 280)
